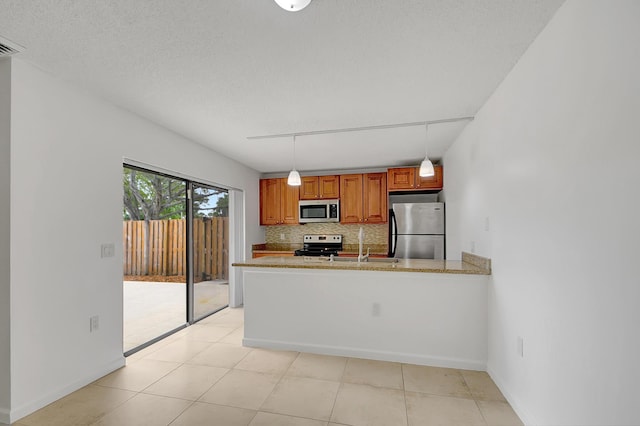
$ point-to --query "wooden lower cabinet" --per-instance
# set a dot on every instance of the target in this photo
(363, 198)
(278, 202)
(274, 253)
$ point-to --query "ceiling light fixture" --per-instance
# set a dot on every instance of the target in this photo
(294, 176)
(293, 5)
(426, 167)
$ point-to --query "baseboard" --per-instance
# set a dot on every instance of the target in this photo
(31, 406)
(4, 416)
(526, 417)
(408, 358)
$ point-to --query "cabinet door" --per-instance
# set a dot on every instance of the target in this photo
(351, 198)
(431, 182)
(309, 188)
(375, 198)
(289, 203)
(270, 201)
(402, 178)
(329, 186)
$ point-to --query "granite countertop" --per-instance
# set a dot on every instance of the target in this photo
(473, 267)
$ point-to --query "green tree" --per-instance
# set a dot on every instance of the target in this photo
(203, 199)
(149, 196)
(222, 207)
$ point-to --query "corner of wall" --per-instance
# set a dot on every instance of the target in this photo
(5, 239)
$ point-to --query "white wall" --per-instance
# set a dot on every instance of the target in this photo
(66, 199)
(417, 318)
(552, 160)
(5, 190)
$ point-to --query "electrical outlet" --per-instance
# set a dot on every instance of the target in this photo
(282, 236)
(107, 250)
(94, 323)
(375, 309)
(473, 246)
(520, 347)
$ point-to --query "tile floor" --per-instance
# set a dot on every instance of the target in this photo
(204, 376)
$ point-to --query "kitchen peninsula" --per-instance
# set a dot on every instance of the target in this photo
(416, 311)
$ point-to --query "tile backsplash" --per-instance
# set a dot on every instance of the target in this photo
(374, 235)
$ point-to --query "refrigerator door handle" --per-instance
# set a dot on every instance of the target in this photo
(393, 234)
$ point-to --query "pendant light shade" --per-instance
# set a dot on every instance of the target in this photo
(294, 176)
(293, 5)
(426, 167)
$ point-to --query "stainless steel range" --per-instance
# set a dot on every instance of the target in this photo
(320, 245)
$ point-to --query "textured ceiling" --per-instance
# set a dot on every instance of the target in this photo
(219, 71)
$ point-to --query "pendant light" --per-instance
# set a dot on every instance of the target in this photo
(293, 5)
(426, 167)
(294, 176)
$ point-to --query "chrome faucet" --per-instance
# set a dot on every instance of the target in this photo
(361, 257)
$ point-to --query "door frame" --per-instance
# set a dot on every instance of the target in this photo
(233, 245)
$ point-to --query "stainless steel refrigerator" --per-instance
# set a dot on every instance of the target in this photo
(416, 231)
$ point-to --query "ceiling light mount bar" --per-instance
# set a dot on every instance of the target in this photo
(359, 129)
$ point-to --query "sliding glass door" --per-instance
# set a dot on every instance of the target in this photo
(175, 236)
(210, 253)
(154, 236)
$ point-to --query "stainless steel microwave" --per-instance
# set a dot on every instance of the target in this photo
(314, 211)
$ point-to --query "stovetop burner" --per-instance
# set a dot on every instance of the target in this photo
(316, 252)
(320, 245)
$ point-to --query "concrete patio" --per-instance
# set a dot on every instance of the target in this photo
(154, 308)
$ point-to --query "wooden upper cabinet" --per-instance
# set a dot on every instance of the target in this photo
(269, 201)
(431, 182)
(289, 203)
(309, 188)
(408, 179)
(329, 186)
(278, 202)
(363, 198)
(402, 178)
(318, 187)
(375, 198)
(351, 199)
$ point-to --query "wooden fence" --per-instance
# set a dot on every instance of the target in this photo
(158, 247)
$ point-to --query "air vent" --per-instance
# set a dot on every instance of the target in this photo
(8, 48)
